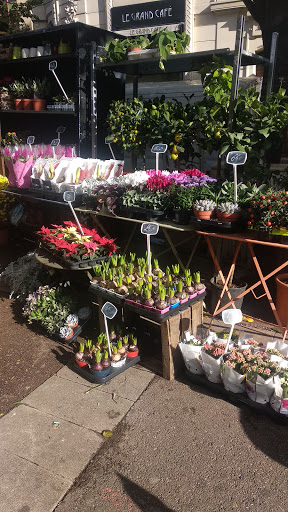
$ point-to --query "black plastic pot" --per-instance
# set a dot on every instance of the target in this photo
(182, 216)
(215, 289)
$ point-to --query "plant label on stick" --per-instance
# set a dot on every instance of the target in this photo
(236, 158)
(149, 229)
(54, 143)
(158, 148)
(52, 67)
(108, 141)
(30, 141)
(69, 197)
(109, 311)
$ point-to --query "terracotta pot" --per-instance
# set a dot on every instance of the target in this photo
(18, 104)
(131, 354)
(202, 215)
(27, 104)
(136, 49)
(3, 237)
(228, 217)
(39, 104)
(282, 298)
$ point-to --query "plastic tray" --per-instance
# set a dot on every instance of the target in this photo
(152, 314)
(217, 225)
(77, 331)
(237, 397)
(106, 294)
(85, 372)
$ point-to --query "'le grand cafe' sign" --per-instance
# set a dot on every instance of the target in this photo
(146, 17)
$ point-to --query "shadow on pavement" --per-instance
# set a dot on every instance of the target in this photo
(267, 435)
(143, 499)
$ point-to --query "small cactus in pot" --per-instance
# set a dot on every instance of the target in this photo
(228, 211)
(203, 208)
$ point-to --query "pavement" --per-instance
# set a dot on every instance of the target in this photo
(39, 462)
(175, 447)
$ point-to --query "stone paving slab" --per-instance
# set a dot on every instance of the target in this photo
(28, 433)
(129, 384)
(26, 487)
(67, 400)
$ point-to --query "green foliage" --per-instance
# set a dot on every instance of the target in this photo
(150, 200)
(12, 15)
(49, 307)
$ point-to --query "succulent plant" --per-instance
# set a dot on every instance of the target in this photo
(228, 207)
(204, 205)
(72, 320)
(65, 332)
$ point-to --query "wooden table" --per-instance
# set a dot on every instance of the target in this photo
(249, 240)
(165, 227)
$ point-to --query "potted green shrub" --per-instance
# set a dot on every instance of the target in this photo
(18, 92)
(41, 89)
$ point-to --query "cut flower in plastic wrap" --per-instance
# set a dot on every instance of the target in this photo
(190, 350)
(279, 399)
(233, 371)
(67, 241)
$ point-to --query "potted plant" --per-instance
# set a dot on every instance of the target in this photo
(17, 90)
(48, 306)
(260, 372)
(77, 250)
(41, 89)
(211, 359)
(132, 350)
(28, 94)
(96, 367)
(15, 17)
(233, 371)
(228, 211)
(203, 208)
(279, 398)
(190, 348)
(6, 102)
(181, 200)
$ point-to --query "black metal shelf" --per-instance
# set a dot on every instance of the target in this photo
(38, 112)
(37, 60)
(180, 63)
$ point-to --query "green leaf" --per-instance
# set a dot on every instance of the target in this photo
(264, 131)
(223, 149)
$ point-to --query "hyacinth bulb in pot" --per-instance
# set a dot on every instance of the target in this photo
(117, 360)
(79, 356)
(228, 211)
(132, 350)
(203, 208)
(211, 358)
(96, 367)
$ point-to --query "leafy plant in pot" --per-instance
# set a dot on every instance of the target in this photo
(17, 90)
(41, 89)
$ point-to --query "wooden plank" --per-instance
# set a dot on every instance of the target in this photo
(167, 364)
(196, 316)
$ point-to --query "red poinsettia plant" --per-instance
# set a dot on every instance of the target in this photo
(67, 241)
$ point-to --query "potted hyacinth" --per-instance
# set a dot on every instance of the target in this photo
(211, 359)
(228, 211)
(190, 348)
(203, 208)
(74, 249)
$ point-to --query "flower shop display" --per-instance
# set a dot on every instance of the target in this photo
(233, 370)
(268, 212)
(203, 208)
(128, 278)
(73, 249)
(93, 356)
(259, 376)
(228, 211)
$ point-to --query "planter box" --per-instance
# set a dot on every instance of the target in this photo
(69, 263)
(116, 298)
(85, 372)
(143, 212)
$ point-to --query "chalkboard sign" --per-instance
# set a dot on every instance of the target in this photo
(52, 65)
(30, 139)
(149, 228)
(159, 148)
(35, 182)
(69, 196)
(61, 129)
(55, 142)
(109, 310)
(236, 157)
(47, 185)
